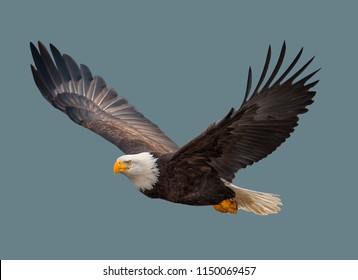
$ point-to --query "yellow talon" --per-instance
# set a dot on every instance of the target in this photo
(227, 205)
(219, 208)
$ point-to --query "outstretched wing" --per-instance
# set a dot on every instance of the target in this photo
(262, 123)
(89, 102)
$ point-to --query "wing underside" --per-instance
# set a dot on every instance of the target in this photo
(88, 101)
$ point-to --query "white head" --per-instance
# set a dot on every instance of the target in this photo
(141, 169)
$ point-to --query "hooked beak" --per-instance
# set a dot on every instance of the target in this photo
(119, 167)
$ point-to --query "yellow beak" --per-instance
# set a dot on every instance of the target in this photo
(119, 167)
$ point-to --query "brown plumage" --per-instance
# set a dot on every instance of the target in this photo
(201, 172)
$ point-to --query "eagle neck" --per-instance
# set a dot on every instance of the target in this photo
(147, 173)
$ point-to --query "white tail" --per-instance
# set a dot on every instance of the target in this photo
(256, 202)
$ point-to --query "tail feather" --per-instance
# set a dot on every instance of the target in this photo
(257, 202)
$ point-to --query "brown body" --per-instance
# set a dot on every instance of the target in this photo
(181, 185)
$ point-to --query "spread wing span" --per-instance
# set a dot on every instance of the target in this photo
(88, 101)
(262, 123)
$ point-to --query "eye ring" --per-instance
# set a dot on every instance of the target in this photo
(128, 162)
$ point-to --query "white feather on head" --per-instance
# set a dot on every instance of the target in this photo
(142, 170)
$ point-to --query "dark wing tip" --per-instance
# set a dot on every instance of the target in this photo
(33, 69)
(53, 48)
(299, 72)
(248, 85)
(264, 70)
(34, 50)
(306, 78)
(41, 45)
(277, 67)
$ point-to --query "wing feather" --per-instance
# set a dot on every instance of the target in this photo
(88, 101)
(262, 123)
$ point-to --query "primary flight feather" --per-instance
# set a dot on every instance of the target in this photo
(200, 172)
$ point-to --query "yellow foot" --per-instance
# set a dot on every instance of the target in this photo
(227, 205)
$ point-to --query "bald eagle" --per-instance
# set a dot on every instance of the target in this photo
(201, 172)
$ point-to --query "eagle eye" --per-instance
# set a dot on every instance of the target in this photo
(128, 162)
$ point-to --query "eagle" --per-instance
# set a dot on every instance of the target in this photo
(202, 171)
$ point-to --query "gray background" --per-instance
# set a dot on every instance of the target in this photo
(183, 64)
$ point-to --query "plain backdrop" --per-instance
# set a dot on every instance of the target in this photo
(183, 64)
